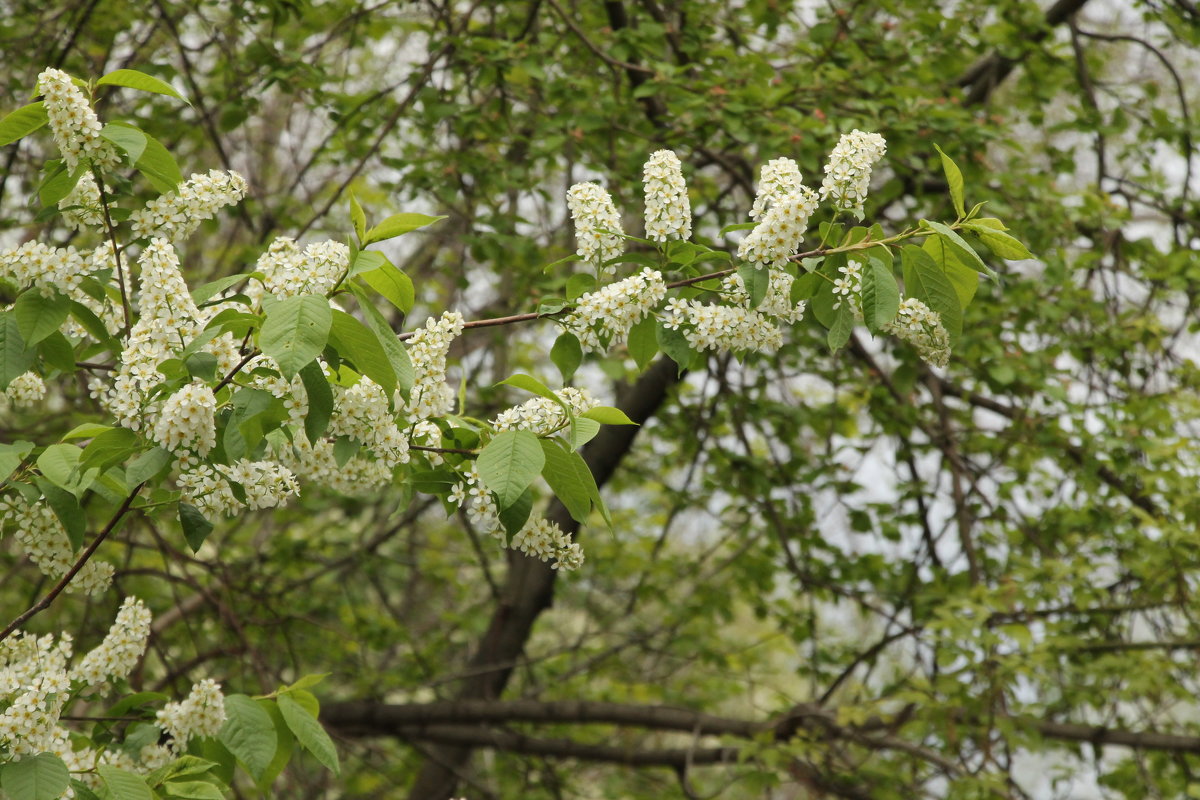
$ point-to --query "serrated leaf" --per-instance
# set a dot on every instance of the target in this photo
(513, 518)
(59, 182)
(1001, 244)
(842, 327)
(955, 180)
(580, 284)
(582, 431)
(608, 415)
(158, 166)
(965, 253)
(643, 342)
(35, 777)
(15, 359)
(358, 217)
(132, 79)
(924, 280)
(89, 321)
(126, 138)
(398, 225)
(286, 743)
(391, 282)
(567, 355)
(11, 456)
(203, 293)
(192, 790)
(880, 295)
(309, 733)
(320, 401)
(57, 353)
(195, 527)
(964, 279)
(147, 465)
(109, 447)
(124, 785)
(66, 507)
(509, 463)
(248, 733)
(564, 472)
(86, 430)
(531, 385)
(756, 281)
(344, 449)
(396, 353)
(672, 342)
(59, 463)
(358, 344)
(306, 681)
(295, 332)
(22, 122)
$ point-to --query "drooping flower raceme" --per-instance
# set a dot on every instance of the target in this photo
(83, 207)
(179, 213)
(777, 302)
(708, 326)
(265, 484)
(25, 390)
(45, 267)
(542, 415)
(188, 420)
(75, 126)
(848, 173)
(44, 540)
(921, 327)
(431, 396)
(777, 238)
(288, 271)
(361, 412)
(668, 210)
(200, 714)
(778, 178)
(593, 212)
(603, 318)
(118, 654)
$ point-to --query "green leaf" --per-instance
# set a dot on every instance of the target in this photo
(57, 353)
(124, 785)
(955, 179)
(201, 366)
(126, 138)
(396, 354)
(147, 465)
(59, 182)
(1000, 243)
(90, 322)
(880, 295)
(757, 282)
(248, 733)
(357, 217)
(344, 449)
(254, 413)
(306, 681)
(393, 284)
(296, 331)
(509, 463)
(14, 358)
(11, 456)
(286, 744)
(738, 226)
(643, 342)
(397, 225)
(38, 777)
(357, 343)
(568, 477)
(582, 431)
(366, 261)
(926, 282)
(531, 385)
(58, 463)
(87, 430)
(567, 355)
(66, 507)
(608, 415)
(580, 284)
(320, 401)
(22, 122)
(109, 447)
(309, 733)
(195, 527)
(158, 166)
(672, 342)
(964, 279)
(39, 316)
(842, 327)
(192, 790)
(132, 79)
(965, 253)
(203, 293)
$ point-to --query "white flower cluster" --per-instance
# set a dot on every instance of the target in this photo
(315, 463)
(75, 126)
(118, 654)
(288, 271)
(778, 178)
(921, 327)
(603, 318)
(42, 537)
(848, 173)
(179, 213)
(45, 267)
(593, 212)
(25, 390)
(542, 415)
(431, 396)
(538, 537)
(266, 484)
(722, 328)
(188, 420)
(777, 238)
(201, 714)
(30, 723)
(848, 288)
(777, 302)
(668, 210)
(361, 412)
(83, 207)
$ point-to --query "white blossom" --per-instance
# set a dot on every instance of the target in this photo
(75, 126)
(431, 396)
(541, 415)
(668, 210)
(179, 213)
(848, 173)
(200, 714)
(118, 654)
(778, 178)
(921, 327)
(288, 271)
(722, 328)
(777, 302)
(44, 540)
(777, 238)
(26, 389)
(604, 317)
(188, 420)
(593, 212)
